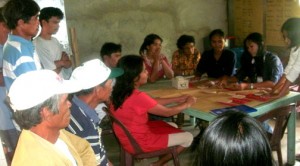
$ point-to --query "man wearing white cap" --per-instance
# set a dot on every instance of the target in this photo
(96, 80)
(42, 110)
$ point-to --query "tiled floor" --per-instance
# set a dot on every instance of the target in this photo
(187, 157)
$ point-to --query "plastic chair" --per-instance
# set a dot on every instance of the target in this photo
(127, 158)
(281, 116)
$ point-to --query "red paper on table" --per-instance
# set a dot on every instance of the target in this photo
(227, 103)
(256, 97)
(239, 101)
(231, 89)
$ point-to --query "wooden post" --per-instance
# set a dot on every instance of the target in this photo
(74, 46)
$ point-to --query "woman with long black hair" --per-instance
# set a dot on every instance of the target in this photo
(259, 68)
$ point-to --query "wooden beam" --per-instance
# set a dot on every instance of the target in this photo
(74, 46)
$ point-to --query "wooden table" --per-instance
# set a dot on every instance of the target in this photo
(208, 99)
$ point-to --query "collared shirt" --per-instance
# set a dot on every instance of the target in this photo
(292, 70)
(5, 112)
(33, 150)
(19, 56)
(268, 66)
(186, 64)
(84, 123)
(91, 113)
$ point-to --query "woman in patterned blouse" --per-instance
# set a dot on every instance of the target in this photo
(186, 58)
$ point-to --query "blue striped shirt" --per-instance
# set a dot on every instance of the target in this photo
(19, 56)
(5, 112)
(84, 124)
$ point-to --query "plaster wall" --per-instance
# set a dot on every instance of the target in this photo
(128, 21)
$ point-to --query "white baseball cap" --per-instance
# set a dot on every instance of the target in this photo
(34, 87)
(93, 73)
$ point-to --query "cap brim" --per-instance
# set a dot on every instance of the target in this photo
(115, 72)
(35, 87)
(69, 86)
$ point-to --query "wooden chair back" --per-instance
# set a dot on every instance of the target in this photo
(281, 117)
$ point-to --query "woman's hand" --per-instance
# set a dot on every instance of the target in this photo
(157, 57)
(190, 101)
(273, 95)
(183, 98)
(221, 82)
(238, 86)
(195, 79)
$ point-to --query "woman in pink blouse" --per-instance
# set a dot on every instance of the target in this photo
(156, 63)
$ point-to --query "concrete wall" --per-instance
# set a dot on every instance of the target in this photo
(128, 21)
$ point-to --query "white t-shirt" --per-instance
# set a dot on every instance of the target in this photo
(292, 70)
(62, 146)
(50, 51)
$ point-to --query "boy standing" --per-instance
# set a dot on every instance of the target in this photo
(50, 51)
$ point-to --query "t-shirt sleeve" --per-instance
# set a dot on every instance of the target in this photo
(143, 101)
(293, 68)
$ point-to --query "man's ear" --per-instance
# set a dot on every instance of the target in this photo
(98, 89)
(42, 23)
(106, 59)
(20, 22)
(45, 113)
